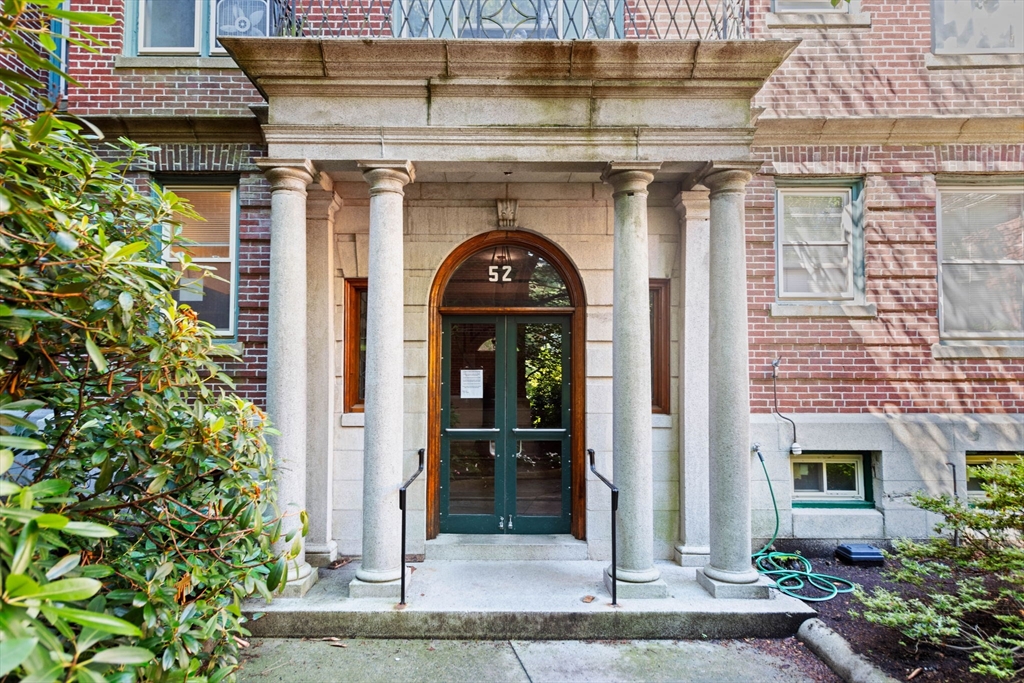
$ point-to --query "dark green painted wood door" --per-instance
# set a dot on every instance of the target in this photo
(505, 407)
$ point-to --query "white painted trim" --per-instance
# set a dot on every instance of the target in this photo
(993, 61)
(954, 351)
(196, 39)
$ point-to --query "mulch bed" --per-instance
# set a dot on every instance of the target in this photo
(882, 645)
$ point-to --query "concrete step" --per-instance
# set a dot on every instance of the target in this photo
(537, 600)
(505, 548)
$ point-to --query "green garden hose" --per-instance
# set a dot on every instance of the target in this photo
(780, 568)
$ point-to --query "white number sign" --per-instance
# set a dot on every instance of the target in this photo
(499, 274)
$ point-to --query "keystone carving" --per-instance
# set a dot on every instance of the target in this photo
(507, 213)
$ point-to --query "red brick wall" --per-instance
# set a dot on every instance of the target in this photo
(882, 364)
(105, 89)
(879, 71)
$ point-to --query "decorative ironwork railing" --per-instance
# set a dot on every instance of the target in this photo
(513, 19)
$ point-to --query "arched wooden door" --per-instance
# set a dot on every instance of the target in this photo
(506, 390)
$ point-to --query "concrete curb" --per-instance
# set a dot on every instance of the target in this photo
(833, 649)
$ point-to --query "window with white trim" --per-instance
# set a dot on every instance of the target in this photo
(828, 478)
(819, 247)
(981, 257)
(211, 244)
(978, 460)
(812, 6)
(977, 27)
(191, 27)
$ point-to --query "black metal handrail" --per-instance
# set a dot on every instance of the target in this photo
(401, 505)
(615, 508)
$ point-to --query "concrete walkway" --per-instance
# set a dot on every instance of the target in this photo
(438, 661)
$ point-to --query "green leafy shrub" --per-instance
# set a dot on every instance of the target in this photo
(136, 499)
(969, 594)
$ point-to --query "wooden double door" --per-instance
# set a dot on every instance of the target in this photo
(506, 455)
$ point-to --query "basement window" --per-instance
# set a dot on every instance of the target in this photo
(978, 460)
(831, 480)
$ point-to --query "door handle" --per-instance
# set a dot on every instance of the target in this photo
(519, 450)
(490, 447)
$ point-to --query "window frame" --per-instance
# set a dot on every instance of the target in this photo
(854, 205)
(975, 52)
(179, 188)
(863, 498)
(971, 337)
(982, 460)
(661, 342)
(354, 286)
(198, 34)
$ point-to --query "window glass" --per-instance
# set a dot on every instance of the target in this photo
(355, 344)
(982, 274)
(660, 314)
(815, 244)
(506, 276)
(168, 25)
(974, 462)
(977, 26)
(211, 245)
(829, 477)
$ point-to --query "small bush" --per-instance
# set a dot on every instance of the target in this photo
(966, 595)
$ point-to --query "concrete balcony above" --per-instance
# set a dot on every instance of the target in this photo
(507, 19)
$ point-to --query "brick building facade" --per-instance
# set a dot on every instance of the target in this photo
(881, 115)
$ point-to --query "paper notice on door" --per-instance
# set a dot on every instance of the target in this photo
(472, 384)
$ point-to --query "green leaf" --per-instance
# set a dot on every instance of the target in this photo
(20, 586)
(89, 530)
(124, 654)
(276, 572)
(101, 622)
(65, 241)
(50, 488)
(95, 354)
(25, 404)
(63, 566)
(51, 520)
(6, 460)
(21, 442)
(129, 249)
(126, 301)
(68, 589)
(14, 652)
(8, 488)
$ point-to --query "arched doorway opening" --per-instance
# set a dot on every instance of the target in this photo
(506, 389)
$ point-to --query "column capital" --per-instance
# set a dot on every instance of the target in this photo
(693, 204)
(387, 175)
(292, 175)
(730, 177)
(630, 176)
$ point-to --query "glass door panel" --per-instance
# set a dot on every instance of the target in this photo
(471, 478)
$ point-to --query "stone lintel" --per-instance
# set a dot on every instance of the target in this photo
(759, 590)
(155, 129)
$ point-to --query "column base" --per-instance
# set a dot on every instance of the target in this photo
(690, 555)
(298, 587)
(759, 590)
(652, 590)
(321, 555)
(358, 588)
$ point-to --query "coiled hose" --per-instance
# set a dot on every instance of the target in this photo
(791, 572)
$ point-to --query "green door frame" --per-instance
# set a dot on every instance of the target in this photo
(505, 436)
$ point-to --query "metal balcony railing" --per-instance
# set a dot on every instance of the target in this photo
(513, 19)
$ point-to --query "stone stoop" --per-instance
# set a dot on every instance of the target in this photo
(532, 600)
(505, 548)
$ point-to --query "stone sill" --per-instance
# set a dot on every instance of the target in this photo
(948, 351)
(933, 61)
(235, 347)
(661, 421)
(783, 310)
(833, 20)
(353, 419)
(174, 62)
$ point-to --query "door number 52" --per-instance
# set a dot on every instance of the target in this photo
(499, 274)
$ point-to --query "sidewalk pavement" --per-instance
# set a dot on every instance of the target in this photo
(324, 660)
